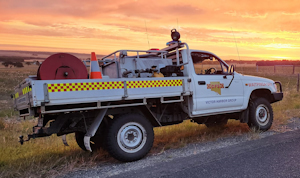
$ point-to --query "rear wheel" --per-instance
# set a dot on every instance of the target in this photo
(130, 137)
(260, 114)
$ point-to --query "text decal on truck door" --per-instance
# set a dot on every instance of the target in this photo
(215, 86)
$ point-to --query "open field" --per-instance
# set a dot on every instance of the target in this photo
(48, 156)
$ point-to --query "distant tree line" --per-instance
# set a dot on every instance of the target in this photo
(273, 63)
(11, 59)
(16, 58)
(240, 61)
(12, 64)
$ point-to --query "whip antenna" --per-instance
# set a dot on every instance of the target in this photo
(237, 49)
(147, 34)
(236, 44)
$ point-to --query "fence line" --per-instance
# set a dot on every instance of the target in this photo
(294, 66)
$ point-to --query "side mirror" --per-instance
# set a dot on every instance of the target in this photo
(231, 72)
(231, 69)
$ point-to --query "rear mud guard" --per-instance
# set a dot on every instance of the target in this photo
(244, 116)
(93, 128)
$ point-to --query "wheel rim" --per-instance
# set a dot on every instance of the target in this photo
(131, 137)
(262, 115)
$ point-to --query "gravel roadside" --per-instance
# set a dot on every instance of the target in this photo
(114, 169)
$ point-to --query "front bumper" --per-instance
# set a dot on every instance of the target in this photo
(277, 96)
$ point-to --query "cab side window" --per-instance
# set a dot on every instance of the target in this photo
(207, 64)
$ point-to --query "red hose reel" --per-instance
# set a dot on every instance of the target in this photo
(62, 66)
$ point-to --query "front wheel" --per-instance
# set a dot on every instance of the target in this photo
(260, 114)
(130, 137)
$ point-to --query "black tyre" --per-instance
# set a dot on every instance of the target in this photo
(96, 141)
(260, 114)
(130, 137)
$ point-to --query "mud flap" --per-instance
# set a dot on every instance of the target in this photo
(87, 143)
(64, 139)
(93, 128)
(244, 116)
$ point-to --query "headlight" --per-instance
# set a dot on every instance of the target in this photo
(275, 86)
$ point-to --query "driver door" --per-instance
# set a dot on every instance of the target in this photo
(215, 89)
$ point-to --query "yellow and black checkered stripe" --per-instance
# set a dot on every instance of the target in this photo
(16, 95)
(64, 87)
(24, 91)
(153, 83)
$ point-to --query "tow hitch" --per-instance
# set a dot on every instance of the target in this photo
(37, 132)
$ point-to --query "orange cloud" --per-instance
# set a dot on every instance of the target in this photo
(260, 28)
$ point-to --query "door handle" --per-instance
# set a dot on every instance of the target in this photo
(201, 82)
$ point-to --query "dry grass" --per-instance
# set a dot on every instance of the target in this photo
(9, 78)
(46, 157)
(42, 157)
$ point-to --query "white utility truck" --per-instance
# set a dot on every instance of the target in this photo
(141, 90)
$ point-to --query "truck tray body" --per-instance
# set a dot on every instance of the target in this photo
(35, 93)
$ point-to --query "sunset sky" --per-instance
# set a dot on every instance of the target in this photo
(264, 29)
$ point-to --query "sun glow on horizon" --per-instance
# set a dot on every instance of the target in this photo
(280, 46)
(280, 57)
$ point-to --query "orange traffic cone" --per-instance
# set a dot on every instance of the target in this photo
(95, 72)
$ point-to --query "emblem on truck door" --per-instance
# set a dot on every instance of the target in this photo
(215, 86)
